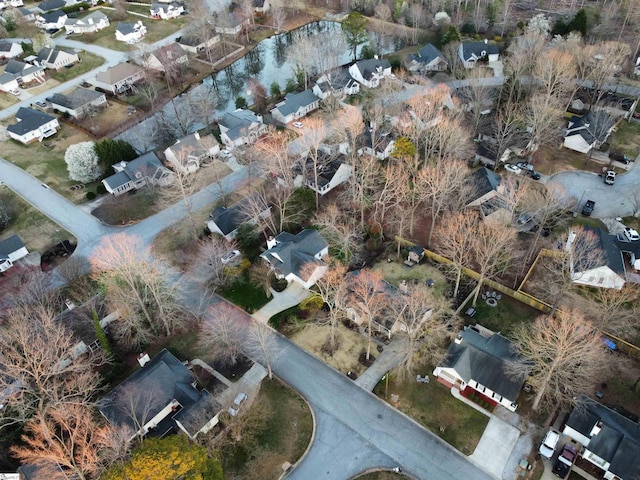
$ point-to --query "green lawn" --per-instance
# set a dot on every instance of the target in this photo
(503, 318)
(88, 63)
(626, 139)
(280, 431)
(244, 294)
(397, 271)
(433, 406)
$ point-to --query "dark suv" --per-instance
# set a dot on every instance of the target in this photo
(587, 210)
(619, 157)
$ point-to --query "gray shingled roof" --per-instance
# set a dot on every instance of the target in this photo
(484, 360)
(147, 165)
(5, 46)
(125, 28)
(152, 388)
(592, 126)
(238, 122)
(53, 17)
(371, 66)
(117, 180)
(295, 251)
(77, 98)
(476, 48)
(29, 120)
(426, 54)
(9, 245)
(229, 219)
(484, 181)
(51, 5)
(18, 68)
(294, 101)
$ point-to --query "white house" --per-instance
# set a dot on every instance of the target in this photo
(93, 22)
(189, 152)
(10, 49)
(261, 6)
(11, 3)
(478, 360)
(225, 221)
(488, 195)
(130, 32)
(22, 73)
(297, 258)
(339, 83)
(12, 249)
(241, 127)
(32, 125)
(166, 58)
(144, 170)
(370, 72)
(55, 59)
(589, 131)
(166, 11)
(118, 79)
(471, 52)
(428, 59)
(331, 171)
(610, 440)
(54, 20)
(294, 106)
(27, 15)
(79, 102)
(375, 143)
(232, 23)
(606, 270)
(193, 43)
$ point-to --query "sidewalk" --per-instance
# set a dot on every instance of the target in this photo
(290, 297)
(390, 358)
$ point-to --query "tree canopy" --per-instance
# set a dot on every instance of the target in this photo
(354, 28)
(111, 151)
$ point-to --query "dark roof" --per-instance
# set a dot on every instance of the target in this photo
(592, 126)
(476, 48)
(327, 168)
(484, 359)
(52, 17)
(229, 219)
(29, 120)
(238, 122)
(366, 139)
(618, 442)
(292, 252)
(77, 98)
(126, 28)
(5, 46)
(46, 52)
(146, 165)
(293, 101)
(426, 54)
(49, 470)
(79, 321)
(484, 181)
(51, 5)
(18, 68)
(610, 250)
(149, 390)
(168, 54)
(10, 245)
(486, 152)
(195, 416)
(372, 65)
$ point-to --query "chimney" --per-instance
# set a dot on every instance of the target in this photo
(458, 339)
(271, 242)
(143, 359)
(486, 41)
(596, 429)
(375, 56)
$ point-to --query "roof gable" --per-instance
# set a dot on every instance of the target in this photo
(294, 101)
(9, 245)
(29, 120)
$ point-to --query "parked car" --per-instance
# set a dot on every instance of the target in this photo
(228, 257)
(610, 177)
(41, 104)
(619, 157)
(565, 461)
(524, 218)
(525, 166)
(225, 153)
(548, 445)
(237, 403)
(587, 210)
(298, 124)
(535, 175)
(631, 235)
(513, 169)
(15, 91)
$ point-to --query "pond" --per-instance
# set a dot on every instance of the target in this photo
(267, 63)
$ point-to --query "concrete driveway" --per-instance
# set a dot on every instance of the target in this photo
(495, 446)
(290, 297)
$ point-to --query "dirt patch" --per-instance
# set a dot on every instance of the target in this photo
(109, 118)
(550, 160)
(313, 338)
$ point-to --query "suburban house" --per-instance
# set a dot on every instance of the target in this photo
(130, 32)
(611, 441)
(292, 255)
(428, 59)
(375, 142)
(189, 152)
(369, 72)
(11, 3)
(49, 5)
(54, 58)
(331, 172)
(144, 170)
(339, 83)
(232, 23)
(294, 106)
(588, 131)
(225, 221)
(476, 363)
(488, 196)
(241, 127)
(606, 270)
(10, 49)
(12, 249)
(93, 22)
(471, 52)
(157, 397)
(54, 20)
(166, 58)
(165, 11)
(27, 15)
(631, 256)
(193, 43)
(79, 102)
(32, 471)
(32, 125)
(261, 6)
(19, 73)
(118, 79)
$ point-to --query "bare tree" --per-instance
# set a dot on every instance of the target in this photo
(208, 267)
(315, 134)
(611, 310)
(560, 357)
(137, 405)
(555, 72)
(222, 332)
(41, 367)
(543, 115)
(66, 437)
(417, 16)
(260, 274)
(341, 230)
(260, 343)
(479, 96)
(279, 18)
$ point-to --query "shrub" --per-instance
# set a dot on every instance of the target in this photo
(497, 38)
(100, 189)
(76, 8)
(90, 195)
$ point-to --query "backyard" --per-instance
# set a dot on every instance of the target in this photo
(432, 405)
(505, 317)
(88, 62)
(626, 139)
(396, 271)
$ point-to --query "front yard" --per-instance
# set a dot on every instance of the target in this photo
(626, 139)
(88, 62)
